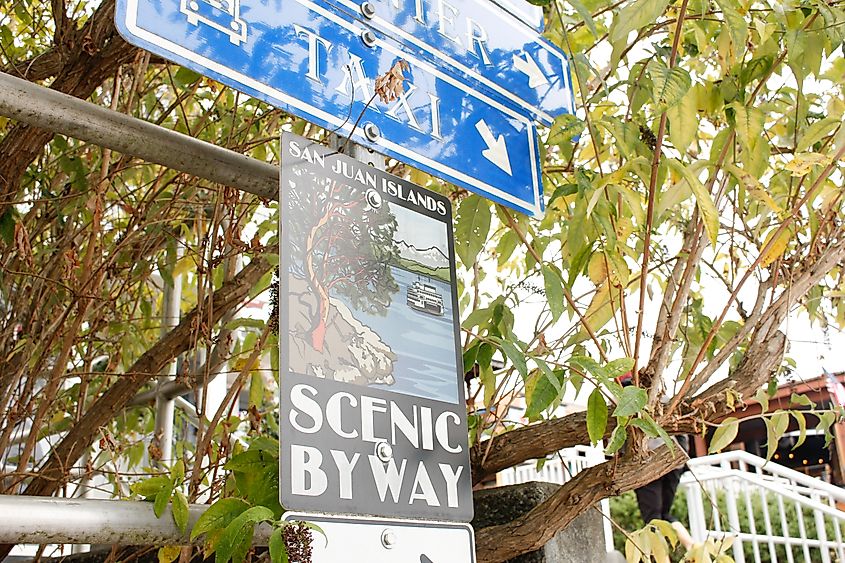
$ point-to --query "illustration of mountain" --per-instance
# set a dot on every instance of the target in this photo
(427, 261)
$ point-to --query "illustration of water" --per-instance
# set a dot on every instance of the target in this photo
(424, 344)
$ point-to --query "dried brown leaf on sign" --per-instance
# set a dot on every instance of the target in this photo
(391, 85)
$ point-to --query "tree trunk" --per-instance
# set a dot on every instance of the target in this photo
(318, 331)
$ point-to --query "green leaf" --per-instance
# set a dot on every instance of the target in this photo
(596, 416)
(554, 290)
(617, 440)
(278, 552)
(775, 428)
(218, 516)
(631, 401)
(256, 389)
(748, 123)
(470, 356)
(763, 398)
(648, 425)
(724, 435)
(706, 207)
(683, 121)
(816, 132)
(619, 367)
(669, 85)
(802, 428)
(737, 27)
(548, 386)
(585, 15)
(802, 400)
(635, 15)
(826, 420)
(162, 499)
(177, 472)
(565, 127)
(515, 355)
(149, 488)
(185, 77)
(7, 226)
(179, 508)
(471, 228)
(237, 537)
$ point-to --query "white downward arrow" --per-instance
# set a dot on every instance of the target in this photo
(496, 151)
(528, 65)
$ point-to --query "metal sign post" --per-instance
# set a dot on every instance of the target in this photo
(319, 63)
(373, 419)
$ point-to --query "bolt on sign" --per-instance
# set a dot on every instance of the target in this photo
(373, 417)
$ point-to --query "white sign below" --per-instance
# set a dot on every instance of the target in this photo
(377, 540)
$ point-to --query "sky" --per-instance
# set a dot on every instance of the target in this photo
(418, 230)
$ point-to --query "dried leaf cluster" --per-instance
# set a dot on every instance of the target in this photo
(391, 85)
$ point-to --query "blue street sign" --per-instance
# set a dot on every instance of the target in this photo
(479, 40)
(313, 62)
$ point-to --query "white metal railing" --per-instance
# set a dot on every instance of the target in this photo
(560, 468)
(775, 514)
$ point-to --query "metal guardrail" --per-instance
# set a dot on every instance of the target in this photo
(773, 513)
(560, 468)
(25, 519)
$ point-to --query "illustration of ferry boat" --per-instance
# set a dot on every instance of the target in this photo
(424, 297)
(222, 15)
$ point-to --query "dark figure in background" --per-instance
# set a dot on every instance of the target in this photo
(655, 499)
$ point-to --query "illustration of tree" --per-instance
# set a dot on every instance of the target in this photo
(340, 243)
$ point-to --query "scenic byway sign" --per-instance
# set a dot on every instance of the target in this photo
(484, 42)
(319, 63)
(373, 418)
(387, 541)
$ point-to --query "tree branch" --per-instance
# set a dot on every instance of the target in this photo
(175, 342)
(529, 442)
(99, 51)
(533, 530)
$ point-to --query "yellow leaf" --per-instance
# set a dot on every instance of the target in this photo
(802, 163)
(754, 187)
(169, 553)
(601, 310)
(703, 200)
(777, 248)
(597, 270)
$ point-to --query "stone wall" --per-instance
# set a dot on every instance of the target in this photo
(581, 542)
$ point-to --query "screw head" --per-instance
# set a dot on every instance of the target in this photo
(373, 200)
(368, 10)
(369, 38)
(388, 538)
(371, 132)
(384, 451)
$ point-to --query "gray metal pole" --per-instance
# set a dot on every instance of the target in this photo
(60, 113)
(170, 309)
(43, 520)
